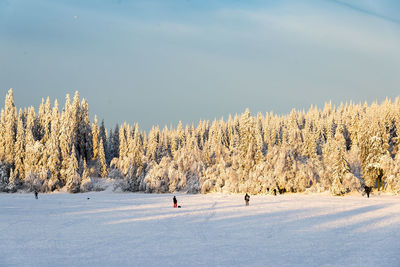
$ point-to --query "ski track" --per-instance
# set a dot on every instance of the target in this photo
(218, 230)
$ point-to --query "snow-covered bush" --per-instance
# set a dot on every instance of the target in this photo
(86, 185)
(73, 183)
(393, 184)
(101, 184)
(120, 185)
(351, 183)
(4, 176)
(115, 174)
(14, 182)
(32, 182)
(337, 189)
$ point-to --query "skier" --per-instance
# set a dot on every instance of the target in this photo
(36, 194)
(175, 202)
(247, 199)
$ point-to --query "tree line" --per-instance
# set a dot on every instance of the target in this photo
(338, 149)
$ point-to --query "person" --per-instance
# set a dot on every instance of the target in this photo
(36, 194)
(247, 199)
(175, 202)
(367, 190)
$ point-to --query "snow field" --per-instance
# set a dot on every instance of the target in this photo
(126, 229)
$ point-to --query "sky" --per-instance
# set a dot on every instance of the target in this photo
(157, 62)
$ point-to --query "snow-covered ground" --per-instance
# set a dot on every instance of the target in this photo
(126, 229)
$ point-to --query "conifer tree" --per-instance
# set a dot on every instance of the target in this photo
(123, 143)
(20, 150)
(52, 146)
(247, 138)
(95, 134)
(71, 173)
(31, 150)
(102, 160)
(13, 182)
(153, 143)
(2, 135)
(340, 168)
(86, 181)
(84, 136)
(114, 150)
(372, 168)
(10, 113)
(75, 122)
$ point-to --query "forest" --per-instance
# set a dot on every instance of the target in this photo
(336, 149)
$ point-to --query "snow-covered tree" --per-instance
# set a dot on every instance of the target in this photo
(10, 125)
(329, 149)
(73, 178)
(340, 169)
(95, 134)
(373, 171)
(20, 150)
(102, 160)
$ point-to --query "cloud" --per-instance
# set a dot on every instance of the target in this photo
(366, 11)
(319, 26)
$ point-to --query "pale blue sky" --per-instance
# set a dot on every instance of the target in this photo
(158, 62)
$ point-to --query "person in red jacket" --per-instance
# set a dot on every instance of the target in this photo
(175, 202)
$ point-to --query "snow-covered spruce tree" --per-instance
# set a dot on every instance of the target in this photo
(4, 176)
(247, 141)
(328, 160)
(84, 137)
(52, 146)
(185, 174)
(101, 161)
(372, 171)
(153, 143)
(123, 143)
(95, 134)
(157, 178)
(44, 119)
(66, 140)
(103, 134)
(75, 122)
(340, 168)
(13, 182)
(114, 143)
(393, 178)
(86, 184)
(34, 149)
(309, 143)
(20, 150)
(389, 172)
(10, 113)
(2, 136)
(135, 157)
(73, 178)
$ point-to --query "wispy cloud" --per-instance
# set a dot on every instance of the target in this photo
(365, 11)
(322, 27)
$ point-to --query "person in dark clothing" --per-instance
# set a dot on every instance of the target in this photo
(36, 194)
(247, 199)
(367, 190)
(175, 202)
